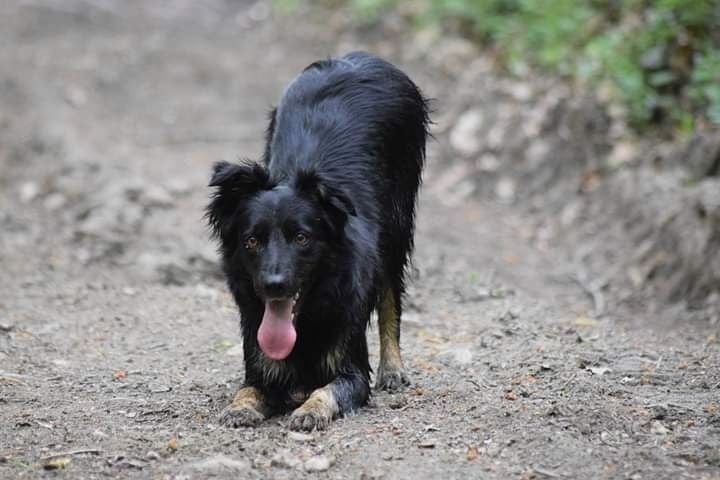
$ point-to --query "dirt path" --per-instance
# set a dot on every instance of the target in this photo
(118, 342)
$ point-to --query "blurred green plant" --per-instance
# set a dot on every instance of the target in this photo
(659, 58)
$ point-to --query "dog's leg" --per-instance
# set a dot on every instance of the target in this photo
(342, 395)
(247, 409)
(390, 375)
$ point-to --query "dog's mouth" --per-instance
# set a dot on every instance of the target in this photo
(276, 335)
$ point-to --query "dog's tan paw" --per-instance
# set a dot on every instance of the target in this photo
(391, 380)
(317, 412)
(240, 416)
(308, 420)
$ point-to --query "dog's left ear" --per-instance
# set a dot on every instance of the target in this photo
(235, 183)
(335, 201)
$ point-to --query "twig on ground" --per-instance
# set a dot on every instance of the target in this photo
(546, 473)
(94, 451)
(13, 378)
(567, 382)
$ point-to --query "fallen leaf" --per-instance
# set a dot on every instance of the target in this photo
(172, 444)
(223, 345)
(711, 408)
(235, 351)
(511, 258)
(472, 453)
(427, 366)
(56, 463)
(585, 322)
(510, 396)
(120, 374)
(590, 180)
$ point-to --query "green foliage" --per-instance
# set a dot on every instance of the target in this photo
(368, 9)
(660, 58)
(705, 84)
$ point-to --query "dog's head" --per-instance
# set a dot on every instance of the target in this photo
(276, 233)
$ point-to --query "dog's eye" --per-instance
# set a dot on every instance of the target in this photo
(302, 238)
(251, 243)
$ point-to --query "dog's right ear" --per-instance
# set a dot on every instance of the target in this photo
(248, 175)
(234, 184)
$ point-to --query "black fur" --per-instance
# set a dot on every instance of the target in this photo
(343, 159)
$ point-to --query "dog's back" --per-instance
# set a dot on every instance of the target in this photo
(361, 123)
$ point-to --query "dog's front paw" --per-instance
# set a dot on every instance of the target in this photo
(391, 381)
(308, 420)
(317, 412)
(240, 416)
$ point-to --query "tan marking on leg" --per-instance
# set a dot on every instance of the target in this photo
(248, 408)
(317, 412)
(247, 397)
(389, 346)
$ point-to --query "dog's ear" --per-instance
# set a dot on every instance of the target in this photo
(334, 200)
(250, 176)
(234, 184)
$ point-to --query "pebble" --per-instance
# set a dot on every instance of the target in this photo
(235, 351)
(460, 355)
(156, 196)
(54, 201)
(599, 371)
(505, 189)
(129, 291)
(465, 135)
(520, 91)
(426, 444)
(372, 475)
(158, 388)
(285, 459)
(397, 401)
(76, 96)
(178, 187)
(29, 191)
(319, 463)
(297, 436)
(219, 463)
(206, 292)
(260, 11)
(658, 428)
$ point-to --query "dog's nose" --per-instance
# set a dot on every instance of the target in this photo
(275, 286)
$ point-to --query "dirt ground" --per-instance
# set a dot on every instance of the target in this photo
(119, 344)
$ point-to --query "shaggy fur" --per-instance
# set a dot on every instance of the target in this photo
(327, 218)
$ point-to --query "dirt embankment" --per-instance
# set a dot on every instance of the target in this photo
(639, 216)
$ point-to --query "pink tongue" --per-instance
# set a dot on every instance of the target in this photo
(276, 335)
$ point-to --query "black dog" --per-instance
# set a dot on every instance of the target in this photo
(318, 236)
